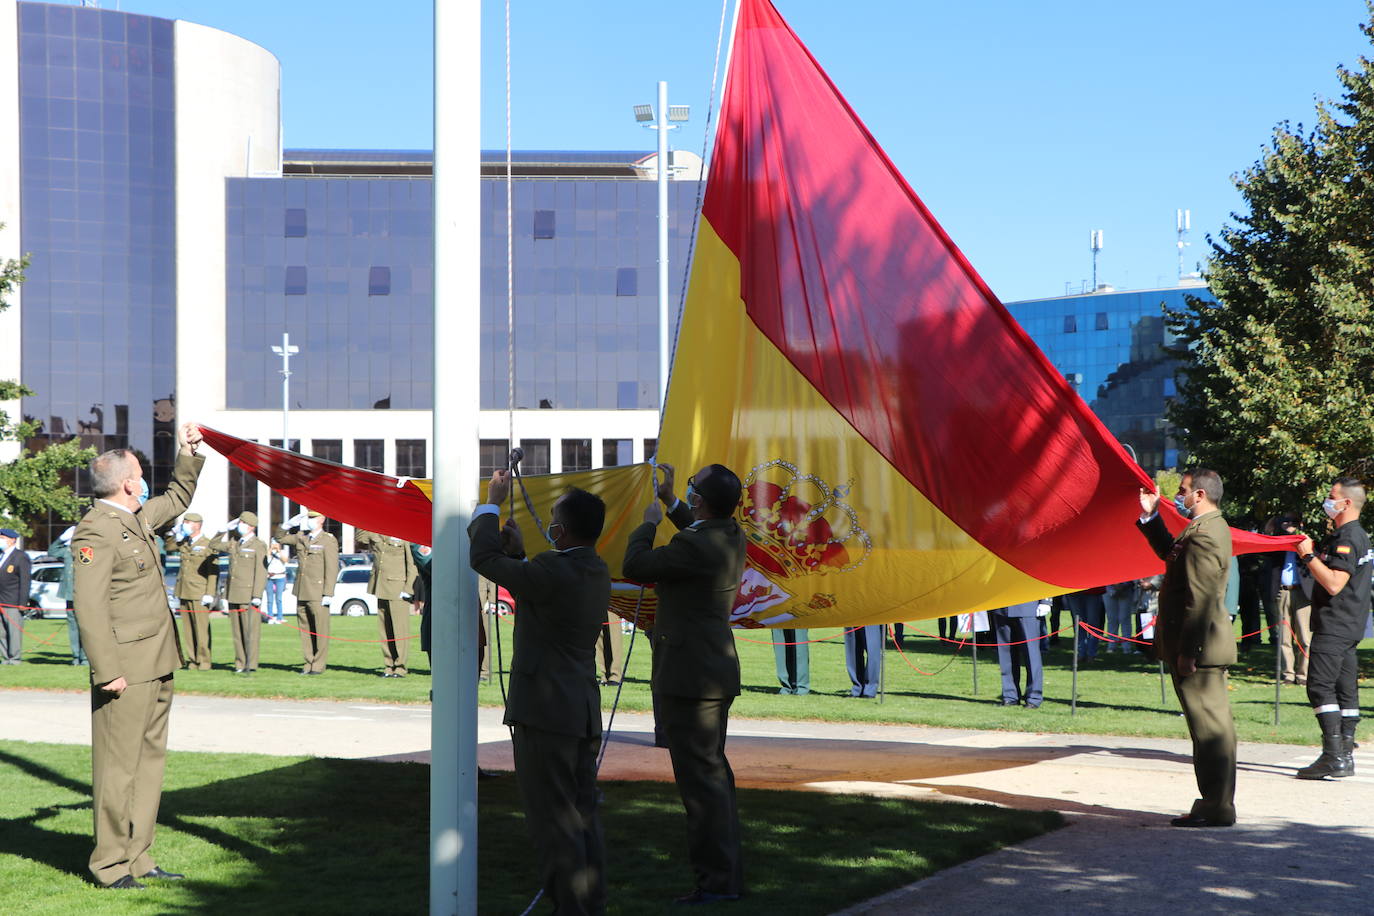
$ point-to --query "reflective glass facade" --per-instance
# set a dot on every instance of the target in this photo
(345, 265)
(1110, 347)
(97, 149)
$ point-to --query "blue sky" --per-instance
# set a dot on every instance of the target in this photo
(1023, 126)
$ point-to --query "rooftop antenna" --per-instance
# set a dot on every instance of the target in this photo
(1095, 240)
(1183, 221)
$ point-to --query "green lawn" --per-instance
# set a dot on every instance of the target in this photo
(1118, 695)
(275, 835)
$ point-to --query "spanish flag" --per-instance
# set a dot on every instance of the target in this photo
(906, 449)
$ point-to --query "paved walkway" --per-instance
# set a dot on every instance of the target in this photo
(1301, 847)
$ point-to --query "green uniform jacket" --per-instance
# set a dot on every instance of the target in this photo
(561, 598)
(317, 563)
(62, 551)
(697, 576)
(198, 574)
(1192, 600)
(393, 569)
(127, 629)
(247, 567)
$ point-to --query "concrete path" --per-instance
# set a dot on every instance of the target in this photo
(1301, 847)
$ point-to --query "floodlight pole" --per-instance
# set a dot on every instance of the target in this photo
(285, 351)
(453, 596)
(663, 355)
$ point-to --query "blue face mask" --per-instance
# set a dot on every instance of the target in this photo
(692, 491)
(143, 491)
(1182, 509)
(548, 532)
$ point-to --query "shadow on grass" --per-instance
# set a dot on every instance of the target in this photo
(329, 836)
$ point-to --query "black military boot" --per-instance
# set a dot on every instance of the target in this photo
(1348, 724)
(1330, 763)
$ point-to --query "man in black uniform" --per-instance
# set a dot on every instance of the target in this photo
(1340, 606)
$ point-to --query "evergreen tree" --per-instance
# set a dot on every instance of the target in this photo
(32, 484)
(1276, 389)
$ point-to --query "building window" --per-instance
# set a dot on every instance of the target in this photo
(369, 454)
(410, 458)
(577, 455)
(1101, 323)
(650, 449)
(295, 223)
(243, 491)
(1170, 389)
(617, 452)
(295, 281)
(1070, 324)
(329, 450)
(379, 281)
(493, 455)
(543, 224)
(626, 395)
(627, 281)
(536, 459)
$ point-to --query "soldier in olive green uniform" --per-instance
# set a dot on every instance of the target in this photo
(317, 570)
(695, 668)
(247, 581)
(1195, 638)
(393, 572)
(132, 642)
(554, 706)
(197, 578)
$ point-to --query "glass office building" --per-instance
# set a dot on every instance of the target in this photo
(1110, 347)
(97, 179)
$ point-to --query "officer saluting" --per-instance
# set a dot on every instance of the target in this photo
(393, 572)
(1340, 608)
(195, 589)
(247, 581)
(317, 560)
(132, 642)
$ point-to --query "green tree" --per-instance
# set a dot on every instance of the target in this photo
(32, 484)
(1275, 392)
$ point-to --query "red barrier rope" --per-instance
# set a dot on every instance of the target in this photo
(18, 623)
(902, 653)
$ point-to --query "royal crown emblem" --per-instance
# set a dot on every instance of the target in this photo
(798, 525)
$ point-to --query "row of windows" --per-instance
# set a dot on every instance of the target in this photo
(296, 281)
(494, 454)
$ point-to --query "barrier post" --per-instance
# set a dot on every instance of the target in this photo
(1073, 688)
(1278, 671)
(973, 630)
(882, 664)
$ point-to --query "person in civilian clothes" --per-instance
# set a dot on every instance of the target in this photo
(554, 704)
(1341, 573)
(317, 571)
(247, 583)
(1017, 630)
(15, 574)
(134, 646)
(1194, 637)
(1294, 611)
(61, 549)
(695, 667)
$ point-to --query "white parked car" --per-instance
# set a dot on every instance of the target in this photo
(44, 582)
(350, 593)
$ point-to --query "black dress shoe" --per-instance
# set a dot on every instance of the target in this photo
(1006, 702)
(126, 883)
(699, 897)
(159, 873)
(1197, 820)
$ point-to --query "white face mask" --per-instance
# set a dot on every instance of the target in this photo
(1329, 507)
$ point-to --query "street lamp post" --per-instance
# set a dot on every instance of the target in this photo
(285, 351)
(668, 119)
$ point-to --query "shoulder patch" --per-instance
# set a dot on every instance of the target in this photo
(1343, 549)
(85, 555)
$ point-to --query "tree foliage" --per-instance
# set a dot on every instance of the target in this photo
(1276, 392)
(32, 484)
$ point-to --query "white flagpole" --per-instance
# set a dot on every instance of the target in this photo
(453, 598)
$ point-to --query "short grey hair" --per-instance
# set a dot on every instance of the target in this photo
(109, 470)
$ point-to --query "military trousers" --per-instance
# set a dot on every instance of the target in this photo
(695, 730)
(557, 778)
(11, 635)
(1295, 625)
(245, 622)
(195, 618)
(611, 650)
(792, 659)
(128, 754)
(312, 618)
(393, 621)
(1207, 710)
